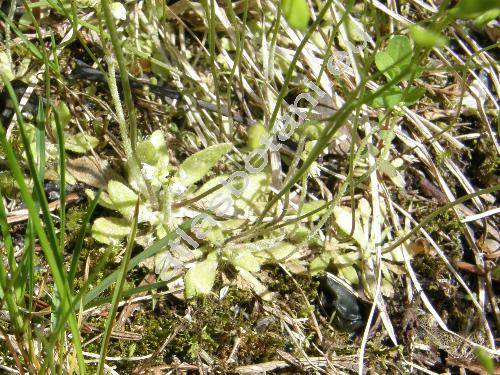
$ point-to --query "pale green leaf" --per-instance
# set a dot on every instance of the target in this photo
(146, 152)
(312, 206)
(395, 58)
(195, 167)
(485, 359)
(123, 198)
(343, 219)
(64, 113)
(282, 252)
(320, 263)
(349, 274)
(255, 134)
(110, 230)
(244, 259)
(200, 279)
(296, 13)
(473, 8)
(427, 38)
(80, 142)
(104, 199)
(249, 199)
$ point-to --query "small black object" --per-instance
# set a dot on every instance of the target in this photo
(338, 298)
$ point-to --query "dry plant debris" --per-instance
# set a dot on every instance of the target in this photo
(180, 178)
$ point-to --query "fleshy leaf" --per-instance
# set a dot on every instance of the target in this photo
(427, 38)
(243, 258)
(311, 206)
(123, 198)
(110, 230)
(390, 98)
(395, 58)
(146, 152)
(255, 134)
(282, 252)
(343, 219)
(200, 279)
(64, 113)
(320, 263)
(80, 143)
(296, 13)
(104, 199)
(195, 167)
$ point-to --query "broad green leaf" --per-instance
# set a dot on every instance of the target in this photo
(240, 256)
(427, 38)
(390, 98)
(282, 252)
(123, 198)
(396, 96)
(80, 143)
(110, 230)
(349, 274)
(296, 232)
(312, 206)
(345, 259)
(153, 149)
(104, 199)
(255, 133)
(412, 95)
(310, 130)
(320, 263)
(146, 152)
(200, 279)
(343, 218)
(395, 58)
(296, 13)
(252, 197)
(64, 113)
(195, 167)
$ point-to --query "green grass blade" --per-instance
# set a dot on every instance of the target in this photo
(40, 140)
(120, 282)
(47, 240)
(62, 179)
(6, 293)
(81, 237)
